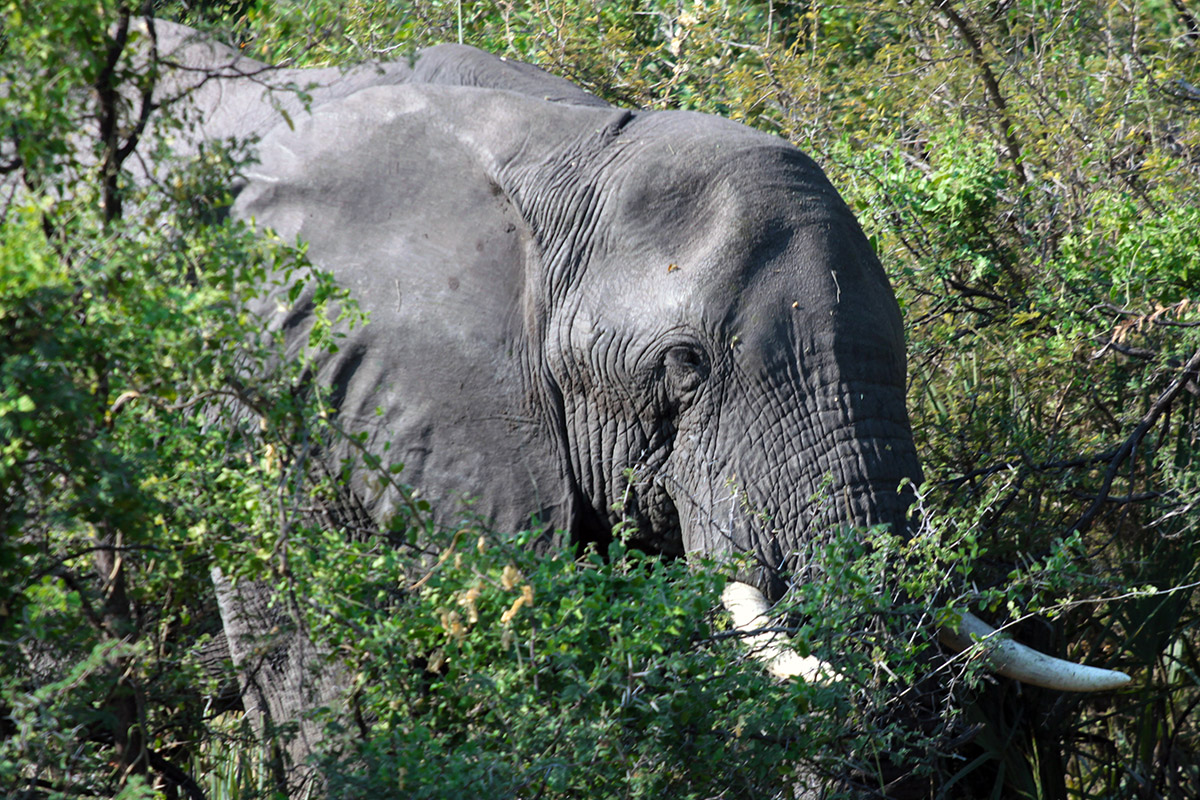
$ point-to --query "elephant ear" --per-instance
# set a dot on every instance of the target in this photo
(218, 92)
(419, 198)
(404, 193)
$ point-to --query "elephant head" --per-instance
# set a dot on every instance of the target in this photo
(720, 348)
(582, 315)
(666, 317)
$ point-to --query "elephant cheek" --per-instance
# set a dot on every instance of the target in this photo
(771, 495)
(709, 511)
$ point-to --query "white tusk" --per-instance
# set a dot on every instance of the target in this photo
(1014, 660)
(749, 610)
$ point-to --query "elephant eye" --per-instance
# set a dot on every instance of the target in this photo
(686, 367)
(684, 356)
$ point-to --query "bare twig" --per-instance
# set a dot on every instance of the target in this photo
(1047, 466)
(109, 101)
(1189, 373)
(1189, 20)
(1015, 156)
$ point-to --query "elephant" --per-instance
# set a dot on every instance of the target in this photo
(573, 304)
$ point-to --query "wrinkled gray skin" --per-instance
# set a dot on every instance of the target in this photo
(563, 293)
(560, 293)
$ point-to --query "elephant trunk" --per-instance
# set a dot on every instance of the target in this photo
(849, 460)
(749, 608)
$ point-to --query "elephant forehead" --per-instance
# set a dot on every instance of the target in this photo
(679, 171)
(837, 322)
(739, 254)
(762, 254)
(730, 211)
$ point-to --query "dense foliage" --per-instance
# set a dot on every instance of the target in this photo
(1028, 172)
(144, 420)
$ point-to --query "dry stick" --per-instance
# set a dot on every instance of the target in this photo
(175, 774)
(109, 113)
(1189, 19)
(993, 86)
(1190, 371)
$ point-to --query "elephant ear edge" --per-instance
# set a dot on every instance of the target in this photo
(400, 191)
(463, 65)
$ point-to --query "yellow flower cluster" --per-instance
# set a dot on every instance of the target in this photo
(526, 599)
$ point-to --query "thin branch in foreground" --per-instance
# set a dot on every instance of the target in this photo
(1189, 373)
